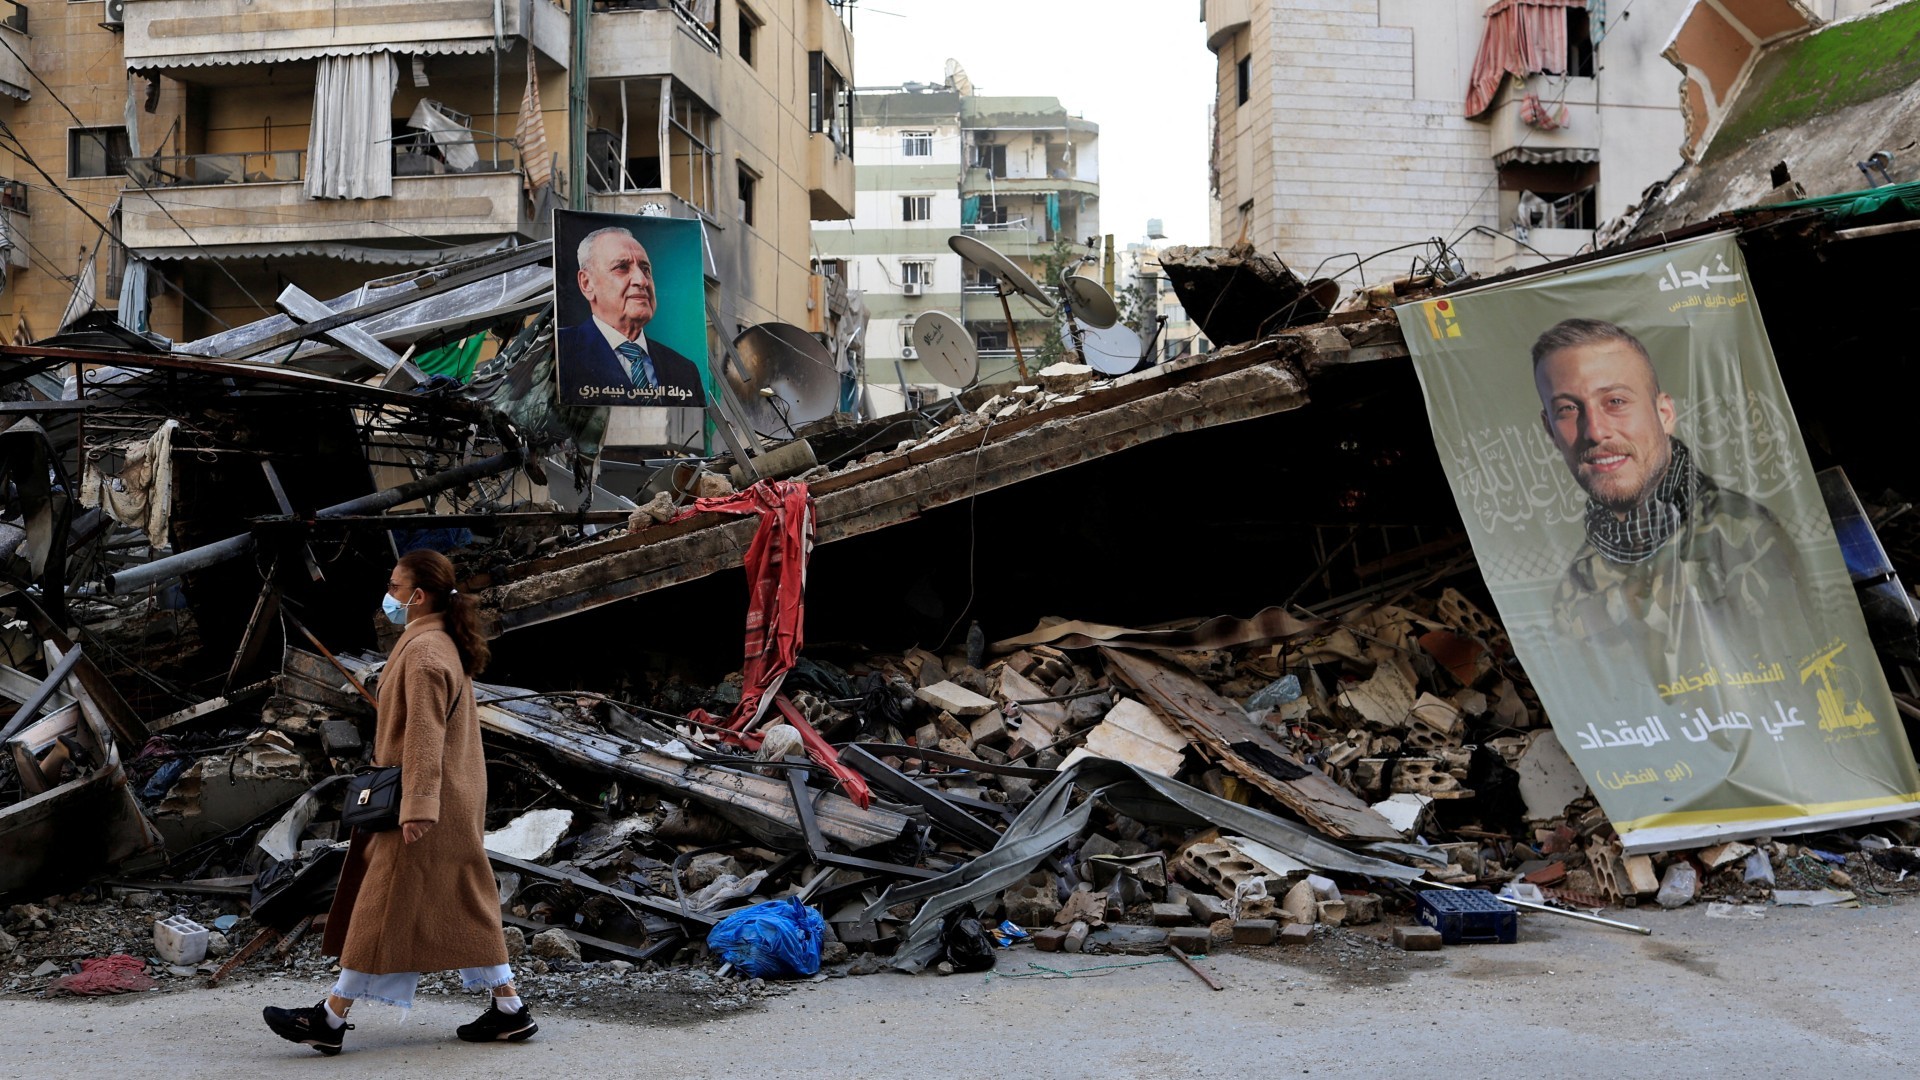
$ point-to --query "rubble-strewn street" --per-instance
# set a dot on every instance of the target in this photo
(591, 502)
(1827, 995)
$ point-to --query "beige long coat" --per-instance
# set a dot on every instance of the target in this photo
(430, 905)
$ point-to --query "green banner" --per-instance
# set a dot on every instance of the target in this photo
(1642, 508)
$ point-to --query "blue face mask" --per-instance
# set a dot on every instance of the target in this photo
(395, 611)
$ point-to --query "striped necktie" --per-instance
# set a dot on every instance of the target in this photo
(639, 364)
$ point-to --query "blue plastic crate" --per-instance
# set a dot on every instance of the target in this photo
(1469, 916)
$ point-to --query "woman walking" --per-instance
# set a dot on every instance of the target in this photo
(421, 897)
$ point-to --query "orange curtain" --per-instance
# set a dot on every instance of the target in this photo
(1522, 37)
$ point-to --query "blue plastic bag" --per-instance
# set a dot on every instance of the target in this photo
(779, 939)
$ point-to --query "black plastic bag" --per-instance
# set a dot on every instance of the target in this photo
(965, 942)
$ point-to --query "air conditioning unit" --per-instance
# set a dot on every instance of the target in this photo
(116, 15)
(908, 352)
(913, 288)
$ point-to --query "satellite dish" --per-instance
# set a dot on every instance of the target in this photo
(957, 79)
(1091, 303)
(1012, 277)
(790, 378)
(1109, 350)
(946, 350)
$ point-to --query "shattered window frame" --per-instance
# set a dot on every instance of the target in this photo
(95, 153)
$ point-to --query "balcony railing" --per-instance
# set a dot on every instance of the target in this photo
(413, 155)
(418, 154)
(996, 226)
(201, 170)
(701, 31)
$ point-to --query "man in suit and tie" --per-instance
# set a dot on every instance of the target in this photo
(608, 360)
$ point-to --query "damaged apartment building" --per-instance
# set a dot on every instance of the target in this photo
(251, 149)
(1087, 653)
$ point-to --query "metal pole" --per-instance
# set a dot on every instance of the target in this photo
(1531, 906)
(30, 708)
(1013, 335)
(136, 578)
(577, 108)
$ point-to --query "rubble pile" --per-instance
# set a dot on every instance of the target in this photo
(622, 832)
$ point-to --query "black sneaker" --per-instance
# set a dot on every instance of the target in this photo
(497, 1026)
(307, 1027)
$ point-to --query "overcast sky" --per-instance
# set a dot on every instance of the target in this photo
(1138, 68)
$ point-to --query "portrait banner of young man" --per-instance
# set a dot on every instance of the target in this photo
(1645, 516)
(631, 303)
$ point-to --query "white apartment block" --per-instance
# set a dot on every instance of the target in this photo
(1018, 173)
(1342, 127)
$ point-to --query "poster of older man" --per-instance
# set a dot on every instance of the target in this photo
(631, 302)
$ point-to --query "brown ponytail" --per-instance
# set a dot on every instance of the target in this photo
(432, 574)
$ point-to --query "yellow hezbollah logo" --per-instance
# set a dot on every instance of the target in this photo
(1443, 320)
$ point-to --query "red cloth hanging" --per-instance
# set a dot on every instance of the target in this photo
(776, 566)
(1523, 37)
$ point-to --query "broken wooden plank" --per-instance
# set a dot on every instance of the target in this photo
(760, 805)
(902, 496)
(578, 880)
(612, 948)
(1222, 732)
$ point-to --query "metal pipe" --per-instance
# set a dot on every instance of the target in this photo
(1531, 906)
(30, 708)
(136, 578)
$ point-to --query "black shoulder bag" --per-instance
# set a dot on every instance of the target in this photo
(373, 797)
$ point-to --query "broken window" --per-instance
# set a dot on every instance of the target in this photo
(829, 102)
(97, 151)
(990, 340)
(1243, 75)
(991, 157)
(916, 208)
(1553, 195)
(916, 144)
(749, 29)
(749, 187)
(692, 158)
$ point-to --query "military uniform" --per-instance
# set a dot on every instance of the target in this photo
(1730, 573)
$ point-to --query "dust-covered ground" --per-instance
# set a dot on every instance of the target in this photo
(1798, 993)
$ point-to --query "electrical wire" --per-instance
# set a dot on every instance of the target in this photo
(108, 151)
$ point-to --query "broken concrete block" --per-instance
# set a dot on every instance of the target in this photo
(1404, 812)
(1361, 909)
(1418, 938)
(1196, 940)
(1039, 724)
(1050, 940)
(989, 728)
(1426, 776)
(1295, 934)
(951, 697)
(1437, 714)
(1169, 914)
(1255, 931)
(180, 940)
(1720, 855)
(1383, 701)
(1301, 905)
(1549, 779)
(516, 942)
(1641, 878)
(554, 945)
(1207, 909)
(1033, 902)
(1135, 734)
(1076, 937)
(341, 739)
(1331, 912)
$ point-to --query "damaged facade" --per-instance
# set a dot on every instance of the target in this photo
(1084, 657)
